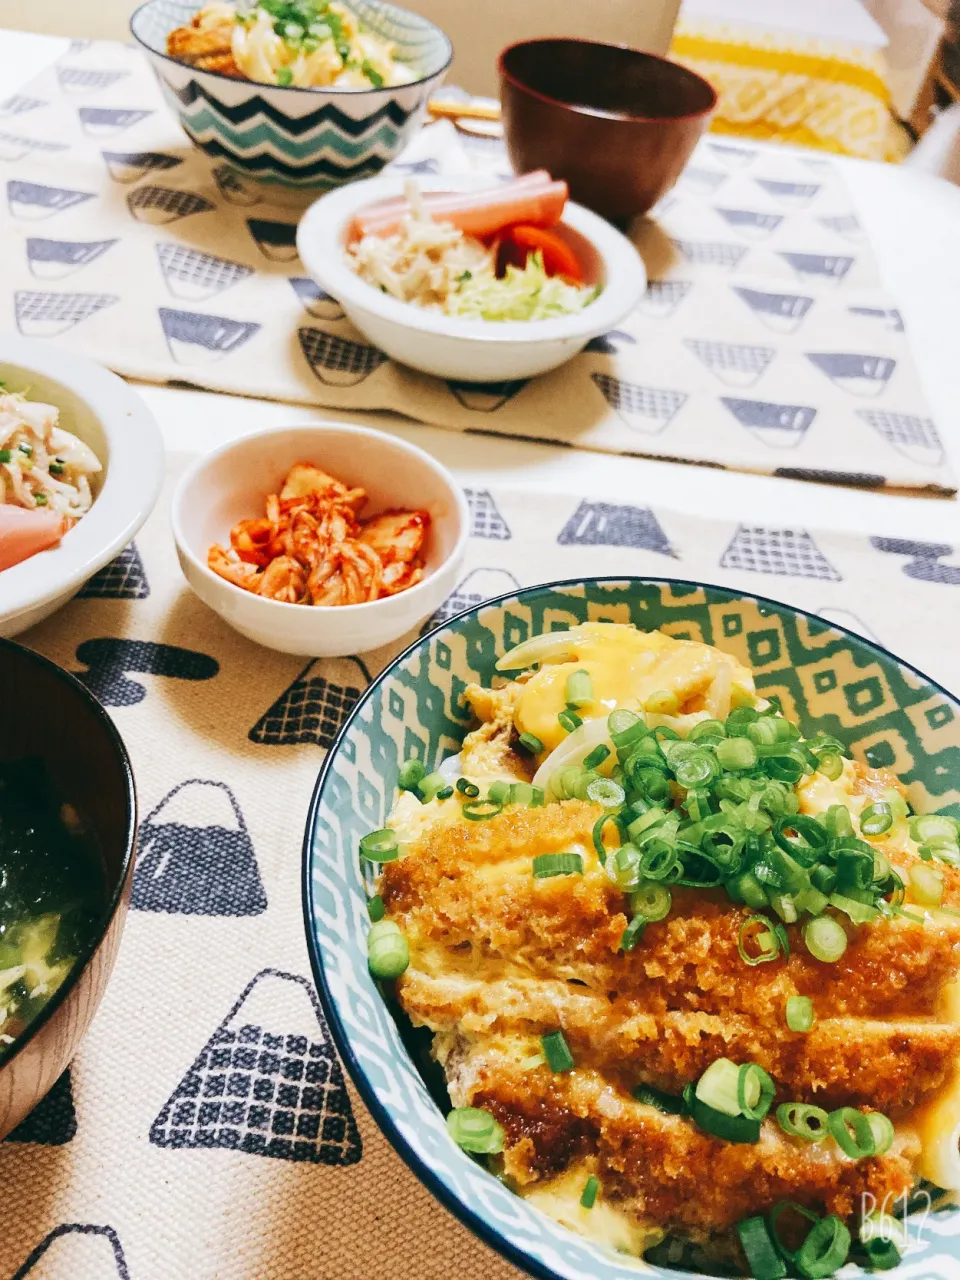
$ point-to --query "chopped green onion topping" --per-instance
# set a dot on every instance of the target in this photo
(557, 1052)
(876, 819)
(755, 1091)
(591, 1187)
(5, 456)
(285, 75)
(380, 846)
(931, 826)
(717, 1087)
(853, 1132)
(803, 1120)
(652, 901)
(718, 1123)
(531, 743)
(430, 786)
(762, 1257)
(825, 1249)
(375, 908)
(598, 827)
(624, 868)
(825, 939)
(546, 865)
(412, 773)
(26, 449)
(569, 720)
(468, 789)
(481, 810)
(831, 765)
(773, 1220)
(56, 468)
(40, 499)
(799, 1013)
(633, 933)
(579, 689)
(621, 721)
(445, 793)
(883, 1133)
(606, 792)
(926, 886)
(597, 756)
(670, 1104)
(475, 1130)
(388, 952)
(736, 753)
(757, 941)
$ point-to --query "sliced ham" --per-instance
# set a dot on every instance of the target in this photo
(25, 531)
(533, 199)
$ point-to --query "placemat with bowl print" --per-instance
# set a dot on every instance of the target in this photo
(206, 1128)
(764, 342)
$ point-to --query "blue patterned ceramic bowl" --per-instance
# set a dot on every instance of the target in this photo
(827, 679)
(311, 138)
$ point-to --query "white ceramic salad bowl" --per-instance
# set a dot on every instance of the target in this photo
(451, 347)
(111, 418)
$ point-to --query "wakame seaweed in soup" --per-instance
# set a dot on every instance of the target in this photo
(52, 894)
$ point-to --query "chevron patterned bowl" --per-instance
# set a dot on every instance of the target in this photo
(309, 138)
(827, 679)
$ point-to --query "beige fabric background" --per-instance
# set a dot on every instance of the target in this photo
(765, 343)
(118, 1205)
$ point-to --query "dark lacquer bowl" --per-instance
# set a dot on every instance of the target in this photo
(615, 124)
(46, 713)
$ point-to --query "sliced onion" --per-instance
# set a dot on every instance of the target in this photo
(717, 697)
(450, 769)
(552, 646)
(574, 749)
(680, 724)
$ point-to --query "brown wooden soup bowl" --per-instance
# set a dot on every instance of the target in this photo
(615, 124)
(47, 713)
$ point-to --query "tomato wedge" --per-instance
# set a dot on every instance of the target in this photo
(558, 258)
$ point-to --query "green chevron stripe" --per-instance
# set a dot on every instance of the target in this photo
(206, 122)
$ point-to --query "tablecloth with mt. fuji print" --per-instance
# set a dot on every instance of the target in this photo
(764, 342)
(206, 1129)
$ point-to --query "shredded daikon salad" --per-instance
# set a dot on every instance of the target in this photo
(41, 465)
(433, 264)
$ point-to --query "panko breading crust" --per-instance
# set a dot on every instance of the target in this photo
(499, 958)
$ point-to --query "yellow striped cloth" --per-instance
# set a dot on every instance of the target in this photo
(785, 86)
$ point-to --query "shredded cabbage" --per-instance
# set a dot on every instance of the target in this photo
(526, 293)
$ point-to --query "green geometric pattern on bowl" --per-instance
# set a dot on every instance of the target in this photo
(316, 138)
(827, 679)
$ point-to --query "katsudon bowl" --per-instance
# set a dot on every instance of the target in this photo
(828, 679)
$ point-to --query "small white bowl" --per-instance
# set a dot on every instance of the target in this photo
(469, 350)
(112, 419)
(231, 484)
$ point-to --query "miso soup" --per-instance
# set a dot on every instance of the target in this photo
(53, 894)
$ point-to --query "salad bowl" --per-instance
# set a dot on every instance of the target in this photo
(828, 679)
(114, 422)
(453, 347)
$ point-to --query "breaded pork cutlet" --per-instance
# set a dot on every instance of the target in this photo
(499, 958)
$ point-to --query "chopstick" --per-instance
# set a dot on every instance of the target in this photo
(446, 110)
